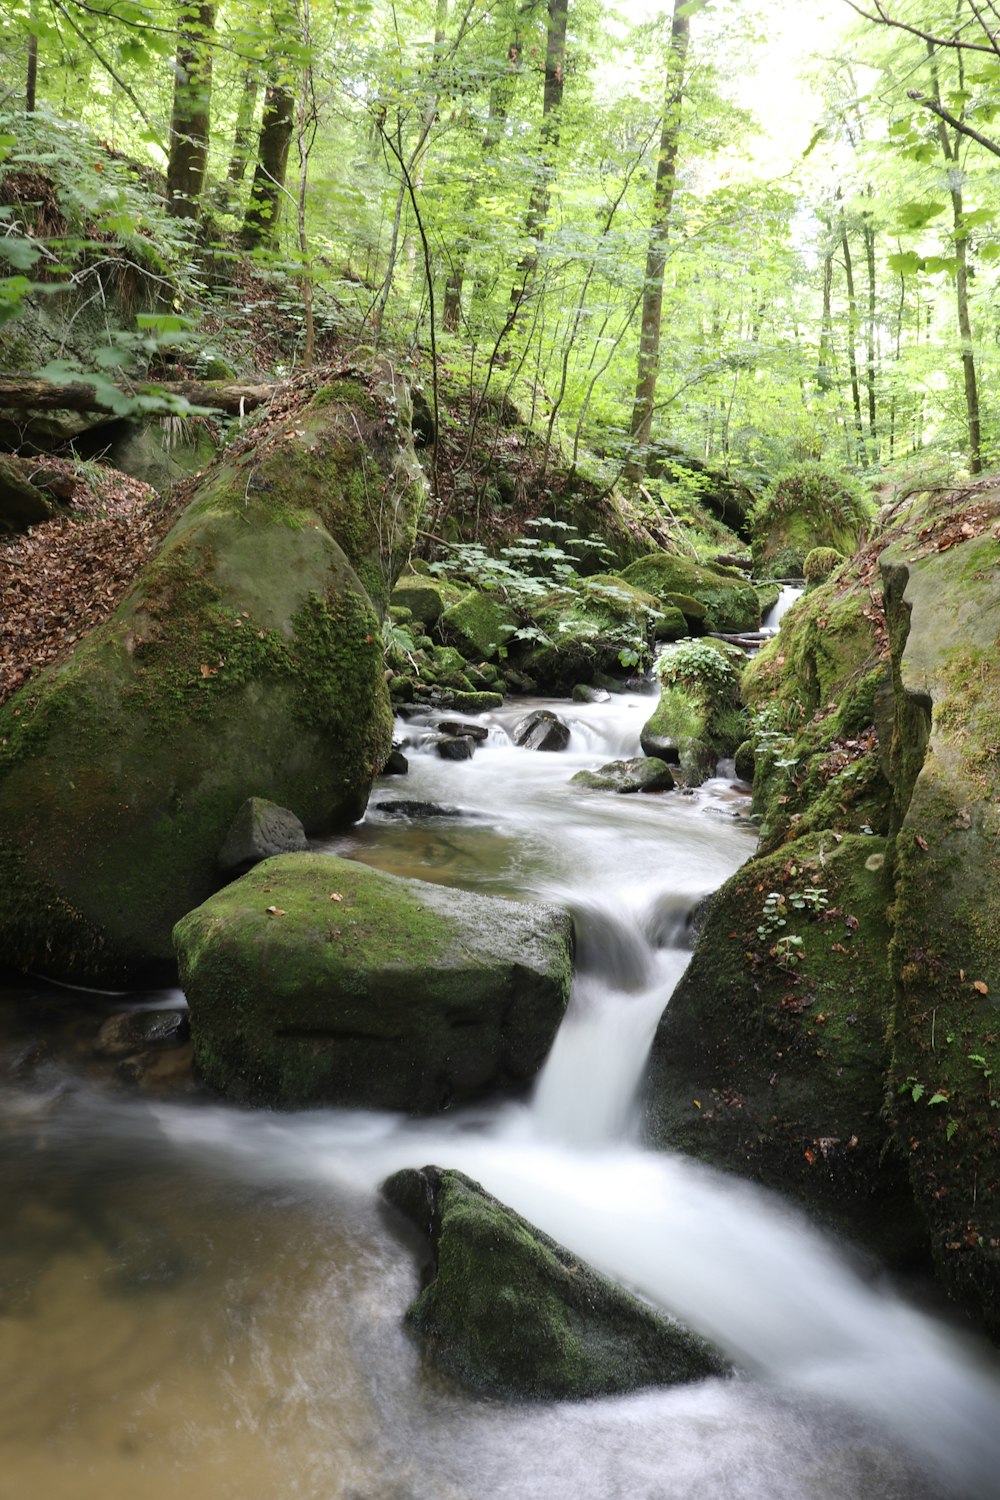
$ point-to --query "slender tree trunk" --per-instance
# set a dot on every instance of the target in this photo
(31, 77)
(306, 119)
(268, 187)
(656, 254)
(191, 113)
(538, 204)
(243, 134)
(950, 151)
(824, 375)
(852, 338)
(870, 336)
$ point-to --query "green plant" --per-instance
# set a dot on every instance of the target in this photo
(694, 661)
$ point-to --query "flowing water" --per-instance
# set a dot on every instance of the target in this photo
(202, 1301)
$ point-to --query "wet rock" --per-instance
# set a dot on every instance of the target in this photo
(642, 773)
(414, 809)
(316, 980)
(477, 732)
(397, 764)
(743, 763)
(455, 747)
(584, 693)
(509, 1312)
(140, 1030)
(541, 730)
(259, 830)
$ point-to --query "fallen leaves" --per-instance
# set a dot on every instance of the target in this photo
(276, 911)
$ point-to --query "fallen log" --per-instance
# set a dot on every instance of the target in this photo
(28, 393)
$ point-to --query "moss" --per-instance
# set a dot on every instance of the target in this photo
(811, 506)
(820, 563)
(778, 1066)
(315, 980)
(511, 1313)
(479, 624)
(730, 603)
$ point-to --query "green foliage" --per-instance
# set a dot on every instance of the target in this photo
(696, 661)
(815, 490)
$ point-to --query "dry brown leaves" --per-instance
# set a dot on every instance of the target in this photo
(64, 577)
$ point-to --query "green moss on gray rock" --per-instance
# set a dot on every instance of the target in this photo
(643, 773)
(244, 661)
(509, 1312)
(730, 603)
(316, 980)
(426, 598)
(479, 625)
(810, 506)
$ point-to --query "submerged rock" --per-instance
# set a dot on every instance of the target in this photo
(509, 1312)
(316, 980)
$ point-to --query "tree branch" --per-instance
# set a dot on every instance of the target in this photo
(883, 18)
(952, 120)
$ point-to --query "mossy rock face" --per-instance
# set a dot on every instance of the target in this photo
(316, 980)
(820, 563)
(508, 1312)
(699, 702)
(776, 1068)
(601, 625)
(943, 611)
(810, 506)
(244, 661)
(816, 690)
(730, 603)
(643, 773)
(426, 598)
(479, 625)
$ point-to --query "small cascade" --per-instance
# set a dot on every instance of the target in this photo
(771, 622)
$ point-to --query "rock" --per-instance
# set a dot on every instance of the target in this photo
(426, 598)
(455, 747)
(743, 761)
(413, 809)
(466, 703)
(510, 1313)
(810, 506)
(479, 625)
(641, 774)
(316, 980)
(699, 700)
(140, 1030)
(22, 503)
(477, 732)
(599, 625)
(787, 1058)
(397, 764)
(245, 661)
(541, 730)
(583, 693)
(820, 563)
(730, 603)
(261, 829)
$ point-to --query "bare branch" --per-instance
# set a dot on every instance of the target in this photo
(950, 119)
(883, 18)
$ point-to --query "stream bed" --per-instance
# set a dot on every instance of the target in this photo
(204, 1301)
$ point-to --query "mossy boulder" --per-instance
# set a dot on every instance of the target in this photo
(810, 506)
(943, 613)
(643, 773)
(425, 597)
(244, 661)
(816, 696)
(730, 603)
(316, 980)
(699, 717)
(601, 625)
(819, 564)
(508, 1312)
(479, 625)
(771, 1057)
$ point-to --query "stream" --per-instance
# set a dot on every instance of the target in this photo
(205, 1301)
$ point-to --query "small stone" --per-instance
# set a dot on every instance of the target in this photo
(477, 732)
(455, 747)
(397, 764)
(541, 730)
(259, 830)
(140, 1030)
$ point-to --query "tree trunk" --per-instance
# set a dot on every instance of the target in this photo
(31, 77)
(191, 113)
(26, 393)
(656, 254)
(538, 204)
(870, 336)
(852, 338)
(243, 134)
(267, 190)
(824, 375)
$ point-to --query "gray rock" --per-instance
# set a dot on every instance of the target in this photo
(541, 730)
(643, 773)
(477, 732)
(510, 1312)
(141, 1030)
(455, 747)
(584, 693)
(397, 764)
(259, 830)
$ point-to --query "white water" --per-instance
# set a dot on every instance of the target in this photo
(790, 592)
(847, 1392)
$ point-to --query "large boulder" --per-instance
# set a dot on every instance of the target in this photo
(699, 717)
(810, 506)
(244, 661)
(942, 592)
(479, 624)
(730, 603)
(508, 1312)
(316, 980)
(602, 624)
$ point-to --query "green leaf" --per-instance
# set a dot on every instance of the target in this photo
(918, 214)
(938, 1099)
(906, 263)
(20, 252)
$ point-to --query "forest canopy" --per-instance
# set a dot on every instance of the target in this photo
(572, 203)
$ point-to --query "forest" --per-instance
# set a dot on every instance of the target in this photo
(499, 749)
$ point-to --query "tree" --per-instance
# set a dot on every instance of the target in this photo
(190, 119)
